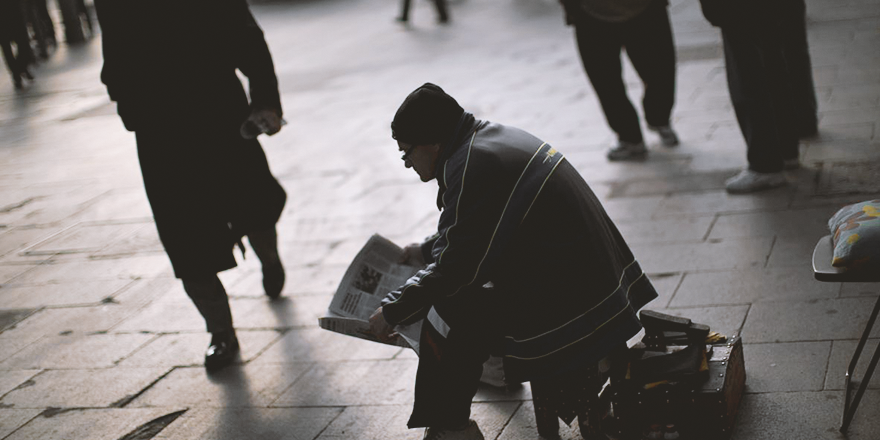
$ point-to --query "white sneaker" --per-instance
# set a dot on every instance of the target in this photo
(470, 432)
(748, 181)
(628, 151)
(667, 134)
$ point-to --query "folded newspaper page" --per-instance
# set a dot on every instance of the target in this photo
(373, 273)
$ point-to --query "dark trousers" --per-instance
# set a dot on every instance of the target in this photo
(447, 378)
(758, 77)
(800, 79)
(649, 46)
(442, 13)
(209, 297)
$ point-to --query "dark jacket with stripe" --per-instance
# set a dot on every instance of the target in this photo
(566, 285)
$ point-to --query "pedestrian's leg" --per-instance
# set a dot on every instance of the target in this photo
(599, 45)
(442, 13)
(209, 297)
(265, 244)
(752, 59)
(800, 69)
(650, 47)
(446, 381)
(11, 63)
(404, 10)
(750, 93)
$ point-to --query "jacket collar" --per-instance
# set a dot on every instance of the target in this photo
(466, 126)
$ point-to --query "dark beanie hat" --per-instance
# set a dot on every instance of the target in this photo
(427, 116)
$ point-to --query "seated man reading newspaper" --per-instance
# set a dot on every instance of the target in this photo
(525, 264)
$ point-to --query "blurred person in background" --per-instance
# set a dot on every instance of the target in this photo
(15, 41)
(769, 78)
(170, 65)
(602, 29)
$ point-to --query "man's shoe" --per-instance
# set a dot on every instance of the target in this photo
(667, 135)
(469, 432)
(628, 151)
(749, 181)
(222, 351)
(265, 244)
(273, 279)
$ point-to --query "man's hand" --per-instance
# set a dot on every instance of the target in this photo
(380, 328)
(412, 256)
(261, 121)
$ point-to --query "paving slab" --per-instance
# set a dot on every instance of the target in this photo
(188, 349)
(319, 345)
(750, 286)
(789, 223)
(669, 230)
(739, 253)
(72, 321)
(383, 422)
(70, 293)
(234, 386)
(94, 388)
(11, 379)
(838, 363)
(11, 419)
(56, 272)
(353, 383)
(92, 424)
(666, 284)
(75, 351)
(840, 319)
(796, 366)
(803, 415)
(250, 423)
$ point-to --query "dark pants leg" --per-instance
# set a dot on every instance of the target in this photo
(404, 10)
(447, 378)
(442, 13)
(209, 296)
(599, 44)
(11, 62)
(797, 57)
(761, 97)
(650, 47)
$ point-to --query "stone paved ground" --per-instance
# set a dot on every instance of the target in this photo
(98, 338)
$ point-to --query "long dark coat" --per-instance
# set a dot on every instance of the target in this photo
(170, 65)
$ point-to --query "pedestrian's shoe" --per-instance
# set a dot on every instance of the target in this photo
(273, 279)
(222, 351)
(628, 151)
(265, 244)
(749, 181)
(667, 135)
(470, 432)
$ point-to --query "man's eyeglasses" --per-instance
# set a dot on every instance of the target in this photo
(406, 153)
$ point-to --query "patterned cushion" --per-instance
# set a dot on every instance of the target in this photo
(856, 230)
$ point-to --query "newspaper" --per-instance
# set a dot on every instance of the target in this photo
(373, 273)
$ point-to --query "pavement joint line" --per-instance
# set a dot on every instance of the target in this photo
(122, 403)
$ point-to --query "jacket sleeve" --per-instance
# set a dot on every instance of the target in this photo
(473, 202)
(253, 59)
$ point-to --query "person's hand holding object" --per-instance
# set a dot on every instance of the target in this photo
(261, 121)
(380, 328)
(412, 256)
